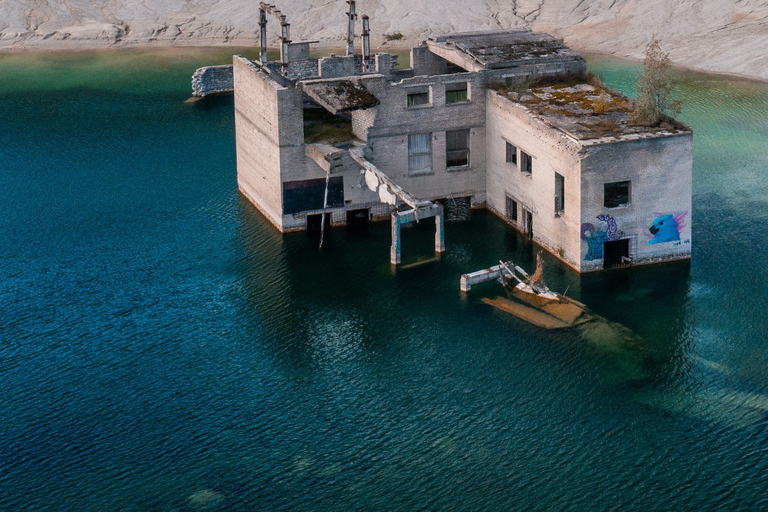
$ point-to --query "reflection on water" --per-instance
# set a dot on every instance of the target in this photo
(164, 348)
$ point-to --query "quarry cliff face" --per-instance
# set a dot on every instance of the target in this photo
(723, 37)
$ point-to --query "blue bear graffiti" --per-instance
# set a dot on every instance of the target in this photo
(666, 228)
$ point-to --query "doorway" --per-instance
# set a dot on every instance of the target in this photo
(528, 223)
(314, 222)
(615, 253)
(358, 219)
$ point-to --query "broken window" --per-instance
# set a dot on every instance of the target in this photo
(526, 163)
(511, 154)
(418, 97)
(559, 193)
(455, 93)
(307, 195)
(616, 194)
(419, 153)
(457, 148)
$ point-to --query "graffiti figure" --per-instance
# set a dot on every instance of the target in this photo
(666, 228)
(596, 236)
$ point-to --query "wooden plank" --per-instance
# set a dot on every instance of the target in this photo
(529, 314)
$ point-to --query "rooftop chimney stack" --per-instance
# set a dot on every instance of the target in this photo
(351, 32)
(285, 40)
(366, 44)
(263, 25)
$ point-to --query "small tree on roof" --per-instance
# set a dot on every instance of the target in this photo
(655, 86)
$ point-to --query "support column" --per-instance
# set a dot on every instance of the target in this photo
(263, 25)
(394, 253)
(440, 231)
(351, 31)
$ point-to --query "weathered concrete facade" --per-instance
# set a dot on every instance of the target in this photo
(464, 121)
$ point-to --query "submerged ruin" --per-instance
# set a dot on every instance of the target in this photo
(504, 120)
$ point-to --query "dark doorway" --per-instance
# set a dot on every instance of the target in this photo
(358, 219)
(314, 222)
(614, 252)
(528, 227)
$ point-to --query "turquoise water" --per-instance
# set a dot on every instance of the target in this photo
(163, 348)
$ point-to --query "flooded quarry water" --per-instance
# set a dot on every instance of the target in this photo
(165, 348)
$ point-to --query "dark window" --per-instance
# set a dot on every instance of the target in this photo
(306, 195)
(511, 154)
(616, 253)
(559, 193)
(511, 209)
(455, 93)
(526, 163)
(418, 98)
(616, 194)
(420, 153)
(457, 148)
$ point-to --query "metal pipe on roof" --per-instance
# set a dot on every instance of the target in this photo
(351, 31)
(285, 40)
(366, 45)
(263, 26)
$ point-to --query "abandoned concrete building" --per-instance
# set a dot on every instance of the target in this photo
(502, 120)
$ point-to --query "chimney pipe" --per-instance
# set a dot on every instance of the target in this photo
(366, 45)
(285, 40)
(351, 32)
(263, 25)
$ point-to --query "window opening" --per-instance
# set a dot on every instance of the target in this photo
(511, 209)
(457, 148)
(559, 193)
(419, 153)
(455, 93)
(526, 163)
(511, 154)
(418, 99)
(616, 194)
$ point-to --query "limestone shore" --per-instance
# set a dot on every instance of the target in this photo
(710, 35)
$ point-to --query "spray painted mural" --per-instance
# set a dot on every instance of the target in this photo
(666, 228)
(596, 236)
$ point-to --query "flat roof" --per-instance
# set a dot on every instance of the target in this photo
(589, 112)
(495, 50)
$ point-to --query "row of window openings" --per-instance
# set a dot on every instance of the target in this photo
(454, 93)
(420, 151)
(614, 194)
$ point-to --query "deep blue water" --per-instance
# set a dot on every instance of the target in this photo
(159, 338)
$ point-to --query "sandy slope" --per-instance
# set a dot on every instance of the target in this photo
(727, 36)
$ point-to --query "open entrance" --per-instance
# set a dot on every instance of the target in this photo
(358, 219)
(616, 253)
(457, 209)
(314, 222)
(528, 223)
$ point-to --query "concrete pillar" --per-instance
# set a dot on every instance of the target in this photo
(394, 253)
(351, 31)
(366, 45)
(440, 231)
(263, 25)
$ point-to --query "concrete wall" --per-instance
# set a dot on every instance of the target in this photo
(267, 133)
(212, 80)
(660, 170)
(386, 129)
(552, 152)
